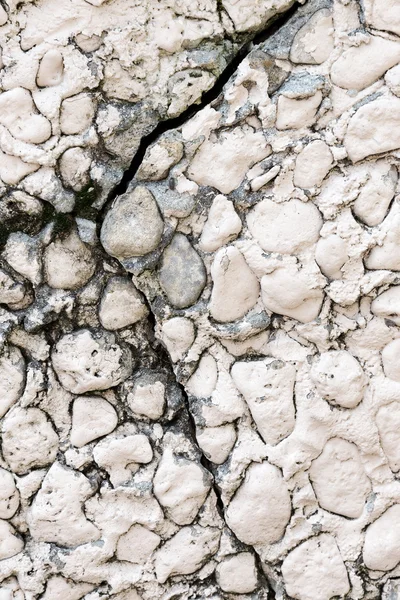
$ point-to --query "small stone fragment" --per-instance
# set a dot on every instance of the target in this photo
(92, 417)
(13, 169)
(382, 541)
(312, 164)
(314, 42)
(339, 378)
(390, 360)
(10, 544)
(330, 255)
(217, 442)
(388, 422)
(68, 262)
(387, 304)
(12, 377)
(19, 115)
(121, 304)
(295, 113)
(237, 574)
(9, 496)
(137, 544)
(23, 254)
(77, 114)
(58, 587)
(146, 396)
(159, 158)
(222, 226)
(182, 274)
(387, 255)
(133, 226)
(178, 335)
(121, 456)
(51, 69)
(375, 196)
(74, 167)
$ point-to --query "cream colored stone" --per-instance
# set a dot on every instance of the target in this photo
(312, 164)
(74, 167)
(223, 164)
(121, 304)
(225, 404)
(235, 287)
(314, 42)
(339, 378)
(268, 388)
(216, 442)
(260, 510)
(137, 544)
(387, 255)
(204, 380)
(76, 114)
(68, 262)
(181, 487)
(390, 360)
(9, 496)
(121, 456)
(314, 570)
(13, 169)
(178, 335)
(382, 541)
(3, 17)
(12, 377)
(51, 69)
(159, 158)
(392, 80)
(10, 544)
(92, 417)
(388, 422)
(252, 15)
(147, 398)
(295, 113)
(58, 587)
(222, 226)
(285, 227)
(23, 254)
(18, 114)
(384, 14)
(237, 574)
(375, 196)
(330, 255)
(88, 43)
(387, 304)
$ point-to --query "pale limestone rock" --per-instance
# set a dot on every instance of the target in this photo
(388, 422)
(10, 544)
(3, 17)
(339, 378)
(295, 113)
(237, 574)
(56, 514)
(186, 551)
(11, 291)
(51, 69)
(330, 255)
(121, 456)
(268, 387)
(92, 417)
(374, 128)
(359, 66)
(223, 164)
(86, 361)
(121, 304)
(13, 169)
(137, 544)
(204, 380)
(339, 479)
(181, 487)
(23, 254)
(252, 15)
(146, 397)
(392, 80)
(222, 226)
(58, 587)
(285, 227)
(235, 287)
(390, 360)
(28, 439)
(312, 165)
(225, 404)
(18, 114)
(382, 541)
(68, 262)
(10, 590)
(260, 510)
(314, 42)
(384, 14)
(314, 570)
(159, 159)
(77, 113)
(387, 255)
(9, 496)
(178, 335)
(182, 274)
(287, 291)
(74, 167)
(133, 226)
(216, 442)
(375, 196)
(12, 377)
(387, 304)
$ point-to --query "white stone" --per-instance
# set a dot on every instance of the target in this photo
(260, 510)
(216, 442)
(181, 487)
(74, 167)
(388, 422)
(235, 287)
(387, 304)
(68, 262)
(147, 398)
(223, 164)
(76, 114)
(186, 551)
(314, 42)
(18, 114)
(121, 456)
(384, 14)
(330, 255)
(92, 417)
(178, 335)
(392, 80)
(10, 544)
(159, 158)
(58, 587)
(13, 169)
(339, 378)
(12, 377)
(387, 255)
(390, 360)
(295, 113)
(237, 574)
(339, 479)
(382, 541)
(56, 514)
(268, 388)
(285, 227)
(375, 196)
(28, 439)
(225, 404)
(137, 544)
(204, 380)
(121, 304)
(222, 226)
(86, 361)
(312, 164)
(23, 254)
(51, 69)
(9, 496)
(3, 17)
(315, 570)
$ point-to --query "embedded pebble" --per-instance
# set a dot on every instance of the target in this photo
(121, 304)
(178, 335)
(145, 396)
(222, 226)
(9, 496)
(314, 42)
(293, 113)
(216, 442)
(18, 114)
(77, 113)
(381, 550)
(68, 262)
(92, 417)
(390, 360)
(373, 201)
(331, 254)
(50, 69)
(339, 378)
(159, 159)
(10, 543)
(388, 422)
(312, 165)
(387, 304)
(74, 167)
(121, 456)
(238, 574)
(12, 377)
(137, 544)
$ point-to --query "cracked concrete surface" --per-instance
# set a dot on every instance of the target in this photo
(199, 306)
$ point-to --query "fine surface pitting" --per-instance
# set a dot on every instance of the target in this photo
(200, 385)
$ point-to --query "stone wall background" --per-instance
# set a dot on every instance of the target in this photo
(199, 307)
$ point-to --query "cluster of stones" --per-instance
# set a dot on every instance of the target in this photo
(263, 235)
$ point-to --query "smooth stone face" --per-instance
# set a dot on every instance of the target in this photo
(74, 167)
(13, 169)
(12, 377)
(216, 442)
(330, 255)
(339, 479)
(133, 226)
(120, 456)
(159, 158)
(260, 509)
(204, 380)
(10, 544)
(85, 361)
(68, 263)
(268, 388)
(50, 69)
(312, 164)
(388, 422)
(92, 417)
(314, 570)
(373, 201)
(235, 287)
(137, 544)
(387, 304)
(9, 496)
(387, 255)
(384, 15)
(314, 42)
(295, 113)
(121, 304)
(182, 274)
(77, 114)
(146, 396)
(58, 587)
(339, 378)
(237, 574)
(284, 227)
(222, 226)
(19, 115)
(178, 335)
(382, 541)
(390, 360)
